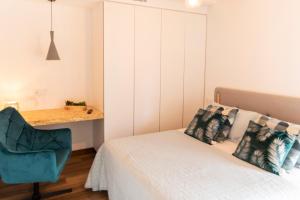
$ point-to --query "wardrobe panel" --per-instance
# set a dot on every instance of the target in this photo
(172, 68)
(118, 70)
(195, 43)
(147, 69)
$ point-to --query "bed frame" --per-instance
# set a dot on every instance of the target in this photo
(281, 107)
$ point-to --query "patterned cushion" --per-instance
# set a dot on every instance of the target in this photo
(212, 124)
(298, 163)
(292, 129)
(293, 156)
(273, 123)
(265, 147)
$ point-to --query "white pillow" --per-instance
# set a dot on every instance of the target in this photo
(241, 123)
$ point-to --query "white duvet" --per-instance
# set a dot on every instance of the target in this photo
(173, 166)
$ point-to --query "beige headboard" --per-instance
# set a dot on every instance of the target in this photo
(280, 107)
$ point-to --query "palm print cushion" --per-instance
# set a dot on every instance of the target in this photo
(298, 163)
(294, 155)
(212, 124)
(265, 147)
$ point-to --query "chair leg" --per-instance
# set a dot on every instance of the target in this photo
(36, 192)
(38, 196)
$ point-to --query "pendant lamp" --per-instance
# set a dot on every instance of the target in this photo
(52, 52)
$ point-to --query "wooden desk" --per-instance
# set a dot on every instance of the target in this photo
(59, 116)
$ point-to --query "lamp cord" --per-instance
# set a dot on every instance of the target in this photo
(51, 16)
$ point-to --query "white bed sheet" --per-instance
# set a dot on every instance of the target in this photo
(173, 166)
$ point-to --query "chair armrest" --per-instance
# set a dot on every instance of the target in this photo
(28, 167)
(62, 137)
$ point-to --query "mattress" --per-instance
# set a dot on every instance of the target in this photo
(173, 166)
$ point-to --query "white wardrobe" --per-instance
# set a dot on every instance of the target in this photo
(154, 62)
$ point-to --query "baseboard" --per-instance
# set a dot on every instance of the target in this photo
(84, 151)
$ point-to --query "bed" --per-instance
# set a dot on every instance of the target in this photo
(173, 166)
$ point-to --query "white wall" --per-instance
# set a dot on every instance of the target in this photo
(26, 75)
(39, 84)
(254, 45)
(97, 74)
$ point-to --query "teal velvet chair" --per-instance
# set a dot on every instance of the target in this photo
(29, 155)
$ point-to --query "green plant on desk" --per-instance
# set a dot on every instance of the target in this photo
(71, 103)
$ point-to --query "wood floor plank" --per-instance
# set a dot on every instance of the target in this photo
(73, 176)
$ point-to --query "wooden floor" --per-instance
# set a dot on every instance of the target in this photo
(73, 176)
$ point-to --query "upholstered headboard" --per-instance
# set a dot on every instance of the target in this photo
(280, 107)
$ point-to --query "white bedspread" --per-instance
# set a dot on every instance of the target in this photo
(174, 166)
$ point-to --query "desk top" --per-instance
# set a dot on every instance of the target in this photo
(59, 116)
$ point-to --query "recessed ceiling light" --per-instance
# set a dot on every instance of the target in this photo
(193, 3)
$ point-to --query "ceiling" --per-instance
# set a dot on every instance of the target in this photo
(90, 3)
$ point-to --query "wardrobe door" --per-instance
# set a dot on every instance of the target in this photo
(147, 69)
(118, 69)
(195, 42)
(172, 67)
